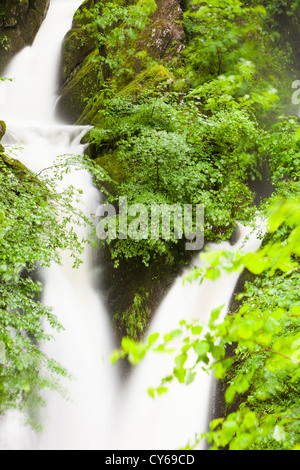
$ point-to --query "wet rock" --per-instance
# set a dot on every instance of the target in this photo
(80, 88)
(19, 24)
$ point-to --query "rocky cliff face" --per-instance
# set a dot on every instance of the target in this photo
(162, 39)
(19, 23)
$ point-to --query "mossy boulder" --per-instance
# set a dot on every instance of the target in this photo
(161, 40)
(114, 169)
(19, 24)
(18, 168)
(149, 79)
(82, 86)
(79, 74)
(77, 46)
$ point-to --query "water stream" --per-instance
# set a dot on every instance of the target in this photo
(82, 422)
(175, 418)
(102, 413)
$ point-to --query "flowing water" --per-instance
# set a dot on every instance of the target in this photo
(175, 418)
(82, 421)
(101, 413)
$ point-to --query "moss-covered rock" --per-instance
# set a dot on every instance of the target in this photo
(18, 168)
(161, 40)
(114, 169)
(78, 44)
(82, 86)
(149, 79)
(120, 285)
(2, 129)
(19, 24)
(78, 67)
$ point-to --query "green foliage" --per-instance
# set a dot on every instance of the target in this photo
(237, 42)
(35, 221)
(166, 151)
(237, 90)
(265, 332)
(199, 144)
(115, 26)
(281, 21)
(133, 321)
(219, 34)
(281, 145)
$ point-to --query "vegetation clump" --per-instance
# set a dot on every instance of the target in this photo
(187, 102)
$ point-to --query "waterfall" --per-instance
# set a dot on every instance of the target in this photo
(101, 412)
(82, 421)
(172, 420)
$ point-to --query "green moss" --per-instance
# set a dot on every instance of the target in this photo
(114, 168)
(93, 114)
(76, 48)
(18, 168)
(2, 129)
(83, 86)
(149, 79)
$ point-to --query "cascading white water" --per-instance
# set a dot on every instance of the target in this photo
(86, 421)
(172, 420)
(82, 422)
(31, 97)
